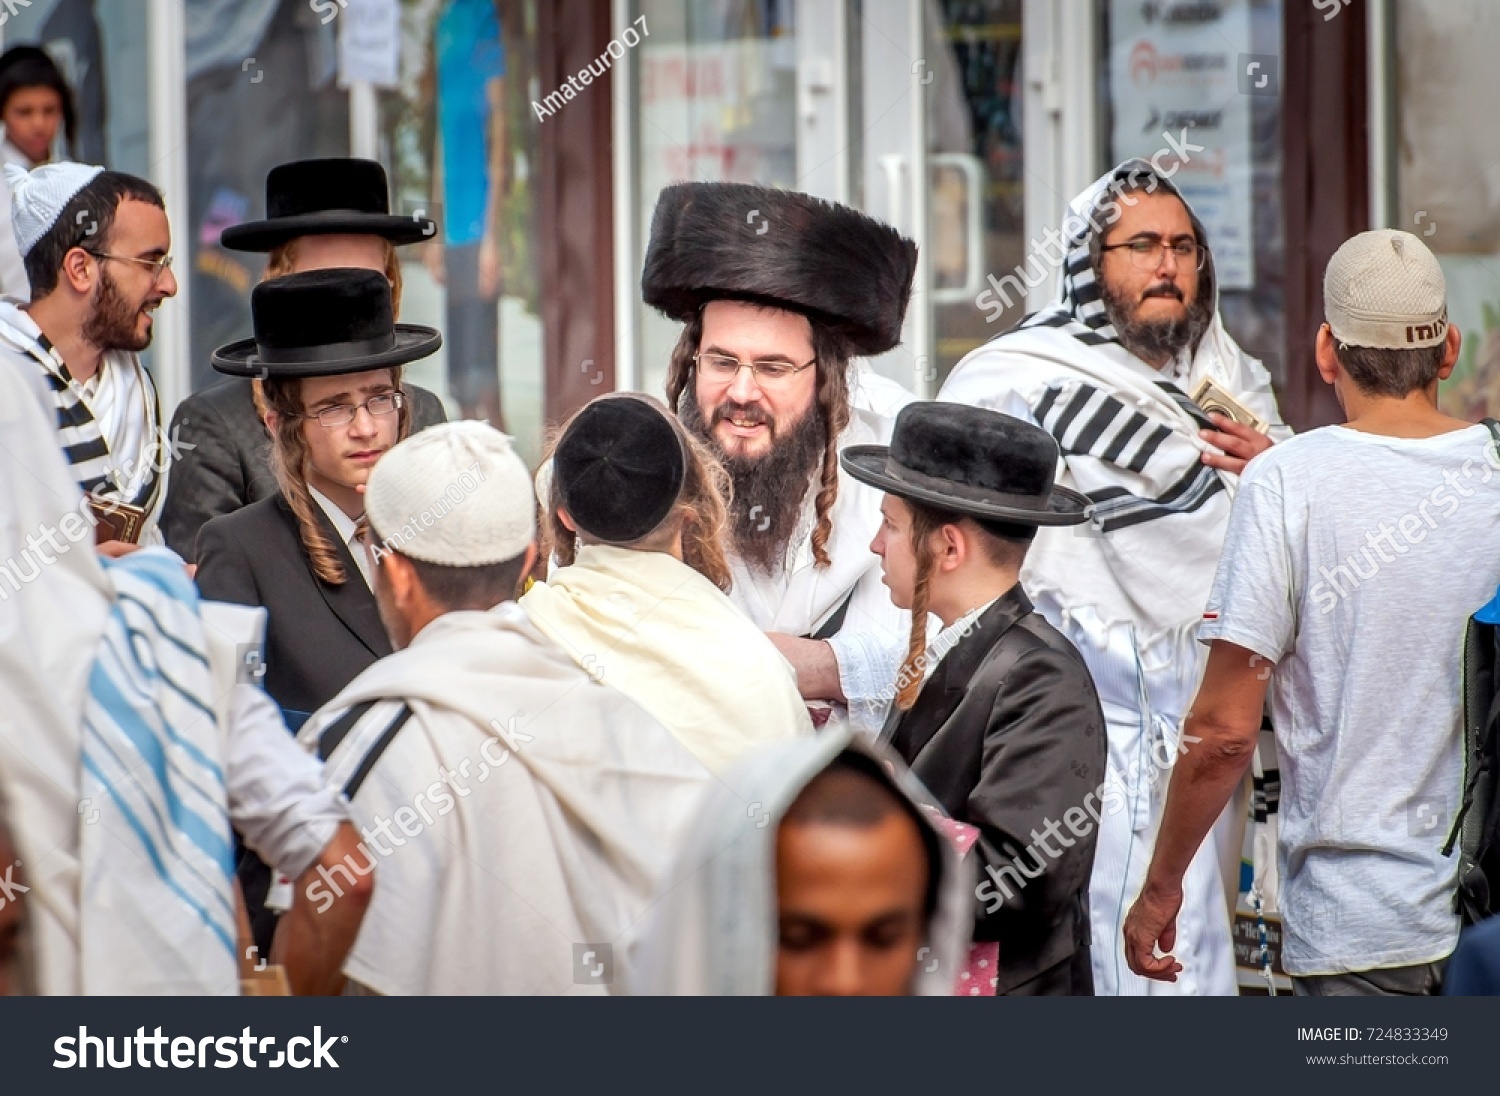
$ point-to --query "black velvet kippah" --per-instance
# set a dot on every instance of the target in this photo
(619, 469)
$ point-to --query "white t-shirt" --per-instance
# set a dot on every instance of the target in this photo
(1352, 562)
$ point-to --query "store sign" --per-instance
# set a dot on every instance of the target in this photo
(1175, 67)
(369, 42)
(717, 111)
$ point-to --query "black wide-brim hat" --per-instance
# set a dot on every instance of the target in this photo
(322, 198)
(321, 323)
(970, 461)
(712, 241)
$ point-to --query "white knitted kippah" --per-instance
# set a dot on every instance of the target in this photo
(39, 196)
(1385, 289)
(455, 494)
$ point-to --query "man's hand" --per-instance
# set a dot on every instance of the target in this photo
(311, 942)
(116, 549)
(817, 668)
(1239, 442)
(1153, 921)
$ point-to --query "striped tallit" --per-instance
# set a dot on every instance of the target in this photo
(127, 477)
(155, 845)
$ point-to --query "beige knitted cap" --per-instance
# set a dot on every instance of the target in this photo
(1385, 289)
(455, 494)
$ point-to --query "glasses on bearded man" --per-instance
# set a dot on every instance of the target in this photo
(158, 267)
(723, 368)
(1145, 251)
(342, 414)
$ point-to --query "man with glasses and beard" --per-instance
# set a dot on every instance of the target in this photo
(1107, 371)
(95, 244)
(778, 292)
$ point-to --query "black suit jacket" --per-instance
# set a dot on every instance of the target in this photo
(229, 464)
(1008, 736)
(319, 637)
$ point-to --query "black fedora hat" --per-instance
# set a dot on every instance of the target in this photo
(321, 323)
(323, 197)
(971, 461)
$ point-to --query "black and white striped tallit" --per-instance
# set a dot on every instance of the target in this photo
(83, 443)
(1128, 435)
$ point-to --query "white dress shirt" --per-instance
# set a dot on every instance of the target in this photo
(348, 532)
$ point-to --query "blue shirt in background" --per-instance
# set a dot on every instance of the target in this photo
(469, 55)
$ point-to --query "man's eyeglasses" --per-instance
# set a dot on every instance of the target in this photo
(342, 414)
(1145, 252)
(158, 266)
(723, 368)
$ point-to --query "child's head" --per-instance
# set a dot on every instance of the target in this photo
(928, 556)
(1387, 332)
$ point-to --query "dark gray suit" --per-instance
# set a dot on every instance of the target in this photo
(319, 637)
(229, 464)
(1008, 735)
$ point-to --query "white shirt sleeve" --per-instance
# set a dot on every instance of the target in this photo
(868, 649)
(278, 799)
(1253, 600)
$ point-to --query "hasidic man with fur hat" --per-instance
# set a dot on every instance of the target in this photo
(778, 292)
(96, 247)
(519, 812)
(636, 515)
(1107, 371)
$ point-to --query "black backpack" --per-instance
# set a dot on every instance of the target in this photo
(1476, 829)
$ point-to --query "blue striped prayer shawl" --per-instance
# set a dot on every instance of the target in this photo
(156, 847)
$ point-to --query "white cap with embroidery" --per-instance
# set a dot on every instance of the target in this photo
(456, 494)
(1385, 289)
(39, 196)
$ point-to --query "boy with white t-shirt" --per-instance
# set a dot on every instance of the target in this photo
(1355, 555)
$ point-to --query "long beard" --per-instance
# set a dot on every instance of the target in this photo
(1153, 340)
(112, 323)
(768, 489)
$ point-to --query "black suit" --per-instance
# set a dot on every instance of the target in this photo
(319, 637)
(229, 464)
(1008, 736)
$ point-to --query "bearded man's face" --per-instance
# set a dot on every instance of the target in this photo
(1152, 299)
(767, 433)
(130, 288)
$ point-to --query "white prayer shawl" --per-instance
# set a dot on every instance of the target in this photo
(1129, 587)
(650, 626)
(94, 724)
(51, 618)
(156, 849)
(712, 930)
(119, 406)
(561, 802)
(801, 597)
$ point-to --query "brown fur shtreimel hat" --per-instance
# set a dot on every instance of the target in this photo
(782, 248)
